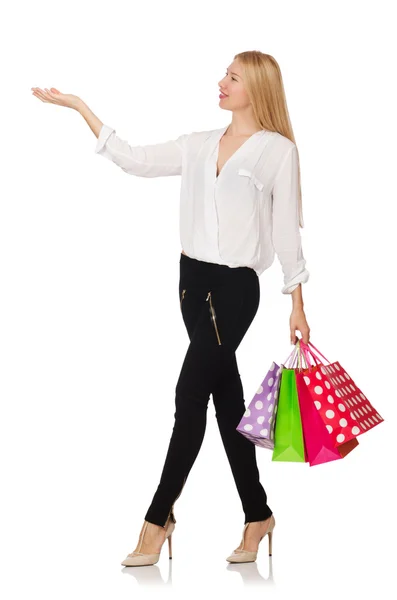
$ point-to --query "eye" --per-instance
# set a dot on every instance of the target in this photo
(233, 78)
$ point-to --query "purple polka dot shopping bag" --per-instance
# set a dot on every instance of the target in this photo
(257, 423)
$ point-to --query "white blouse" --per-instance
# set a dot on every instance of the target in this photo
(240, 218)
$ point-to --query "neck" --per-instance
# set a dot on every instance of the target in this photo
(242, 126)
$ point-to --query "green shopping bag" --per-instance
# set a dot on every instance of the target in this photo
(289, 445)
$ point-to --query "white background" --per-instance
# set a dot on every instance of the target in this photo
(92, 338)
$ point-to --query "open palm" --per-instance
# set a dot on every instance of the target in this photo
(54, 96)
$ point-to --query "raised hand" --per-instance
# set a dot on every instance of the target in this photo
(54, 96)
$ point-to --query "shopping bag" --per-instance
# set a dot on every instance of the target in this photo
(288, 434)
(343, 407)
(257, 423)
(318, 442)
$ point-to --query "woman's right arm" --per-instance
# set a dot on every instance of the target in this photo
(92, 120)
(154, 160)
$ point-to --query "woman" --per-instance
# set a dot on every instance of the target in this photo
(240, 204)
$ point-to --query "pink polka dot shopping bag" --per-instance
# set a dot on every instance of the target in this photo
(334, 410)
(319, 447)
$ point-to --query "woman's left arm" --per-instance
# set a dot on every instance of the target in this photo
(297, 319)
(287, 240)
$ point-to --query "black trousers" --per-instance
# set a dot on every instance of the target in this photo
(218, 304)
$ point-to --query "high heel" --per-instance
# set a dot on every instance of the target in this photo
(137, 558)
(241, 555)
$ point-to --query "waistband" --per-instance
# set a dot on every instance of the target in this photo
(210, 268)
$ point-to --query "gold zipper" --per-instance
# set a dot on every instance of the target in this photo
(171, 513)
(183, 295)
(213, 317)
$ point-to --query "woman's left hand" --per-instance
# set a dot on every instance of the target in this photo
(298, 321)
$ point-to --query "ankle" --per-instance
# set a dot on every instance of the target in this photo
(154, 528)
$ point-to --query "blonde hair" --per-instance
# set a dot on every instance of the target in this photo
(264, 84)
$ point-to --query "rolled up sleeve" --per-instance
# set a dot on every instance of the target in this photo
(153, 160)
(286, 237)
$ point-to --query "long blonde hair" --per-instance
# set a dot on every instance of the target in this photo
(265, 88)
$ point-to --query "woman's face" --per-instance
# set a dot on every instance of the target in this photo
(232, 86)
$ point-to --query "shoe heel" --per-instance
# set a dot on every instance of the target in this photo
(270, 534)
(170, 546)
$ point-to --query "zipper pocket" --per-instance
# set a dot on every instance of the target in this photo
(182, 297)
(171, 513)
(213, 317)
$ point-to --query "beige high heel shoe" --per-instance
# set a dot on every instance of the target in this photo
(137, 558)
(241, 555)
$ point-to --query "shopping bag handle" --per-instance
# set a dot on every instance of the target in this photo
(297, 351)
(285, 363)
(302, 350)
(307, 348)
(306, 355)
